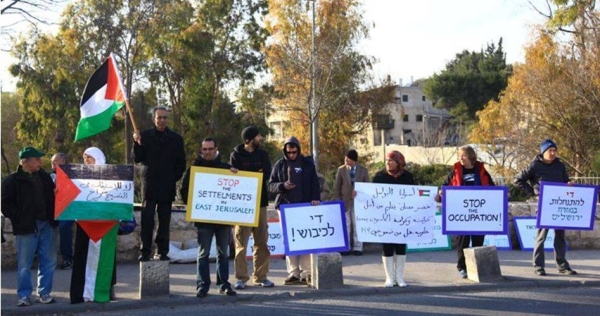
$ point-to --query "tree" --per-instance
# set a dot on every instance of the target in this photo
(10, 117)
(469, 81)
(342, 108)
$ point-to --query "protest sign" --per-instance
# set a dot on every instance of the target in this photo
(392, 213)
(313, 229)
(221, 197)
(438, 241)
(563, 206)
(94, 192)
(502, 242)
(474, 210)
(275, 242)
(526, 230)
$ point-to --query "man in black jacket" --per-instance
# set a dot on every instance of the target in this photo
(546, 167)
(209, 157)
(161, 151)
(28, 201)
(294, 179)
(250, 157)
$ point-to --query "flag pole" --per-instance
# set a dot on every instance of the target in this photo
(135, 129)
(127, 105)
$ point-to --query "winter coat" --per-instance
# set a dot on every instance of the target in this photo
(256, 161)
(529, 179)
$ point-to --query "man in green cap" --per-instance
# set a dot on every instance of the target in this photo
(28, 201)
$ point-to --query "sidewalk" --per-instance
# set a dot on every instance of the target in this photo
(363, 275)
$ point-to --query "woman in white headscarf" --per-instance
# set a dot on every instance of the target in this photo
(94, 267)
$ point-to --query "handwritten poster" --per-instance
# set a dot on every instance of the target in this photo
(392, 213)
(502, 242)
(222, 197)
(275, 242)
(526, 230)
(94, 192)
(567, 207)
(313, 229)
(438, 241)
(474, 210)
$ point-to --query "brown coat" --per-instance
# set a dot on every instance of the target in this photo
(343, 186)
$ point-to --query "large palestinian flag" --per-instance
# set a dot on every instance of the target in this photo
(103, 96)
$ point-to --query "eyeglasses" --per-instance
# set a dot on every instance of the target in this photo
(208, 149)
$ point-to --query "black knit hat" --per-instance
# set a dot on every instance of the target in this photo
(352, 155)
(249, 133)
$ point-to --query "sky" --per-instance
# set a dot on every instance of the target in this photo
(414, 39)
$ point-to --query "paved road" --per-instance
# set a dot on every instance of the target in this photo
(426, 273)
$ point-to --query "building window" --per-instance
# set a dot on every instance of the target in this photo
(405, 98)
(419, 118)
(423, 98)
(405, 119)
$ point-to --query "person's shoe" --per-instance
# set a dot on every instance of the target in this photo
(357, 253)
(144, 258)
(162, 257)
(201, 294)
(112, 295)
(345, 253)
(228, 291)
(240, 285)
(292, 280)
(66, 265)
(540, 271)
(568, 271)
(265, 283)
(24, 301)
(463, 274)
(46, 299)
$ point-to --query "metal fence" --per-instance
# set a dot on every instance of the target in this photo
(577, 180)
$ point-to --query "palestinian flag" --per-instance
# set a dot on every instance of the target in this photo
(424, 192)
(103, 96)
(94, 192)
(94, 265)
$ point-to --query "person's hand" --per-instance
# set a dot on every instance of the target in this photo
(570, 183)
(233, 170)
(137, 138)
(314, 203)
(353, 193)
(288, 185)
(438, 197)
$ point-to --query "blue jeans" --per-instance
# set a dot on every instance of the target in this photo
(205, 235)
(65, 229)
(27, 245)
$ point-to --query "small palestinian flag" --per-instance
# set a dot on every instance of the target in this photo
(424, 192)
(103, 96)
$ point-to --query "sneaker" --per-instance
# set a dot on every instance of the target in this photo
(201, 294)
(292, 280)
(265, 283)
(568, 271)
(66, 265)
(46, 299)
(144, 258)
(463, 274)
(240, 285)
(540, 271)
(24, 301)
(162, 257)
(228, 291)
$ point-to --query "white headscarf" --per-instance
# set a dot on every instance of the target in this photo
(97, 154)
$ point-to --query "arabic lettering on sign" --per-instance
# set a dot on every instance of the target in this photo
(115, 191)
(394, 213)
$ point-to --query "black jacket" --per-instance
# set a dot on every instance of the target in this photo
(165, 163)
(200, 162)
(256, 161)
(17, 201)
(279, 175)
(382, 176)
(529, 179)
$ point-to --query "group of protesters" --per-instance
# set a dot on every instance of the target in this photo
(28, 198)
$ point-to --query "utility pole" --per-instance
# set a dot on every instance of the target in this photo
(313, 105)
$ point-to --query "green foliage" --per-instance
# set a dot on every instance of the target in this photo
(434, 175)
(10, 116)
(470, 81)
(516, 194)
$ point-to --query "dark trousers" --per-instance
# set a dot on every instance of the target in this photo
(463, 242)
(163, 209)
(65, 229)
(390, 249)
(205, 236)
(560, 248)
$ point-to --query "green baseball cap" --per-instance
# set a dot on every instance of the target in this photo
(29, 152)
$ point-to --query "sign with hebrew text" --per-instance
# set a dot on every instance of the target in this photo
(393, 213)
(563, 206)
(313, 228)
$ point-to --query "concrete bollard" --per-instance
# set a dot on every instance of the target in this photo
(154, 279)
(482, 264)
(327, 271)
